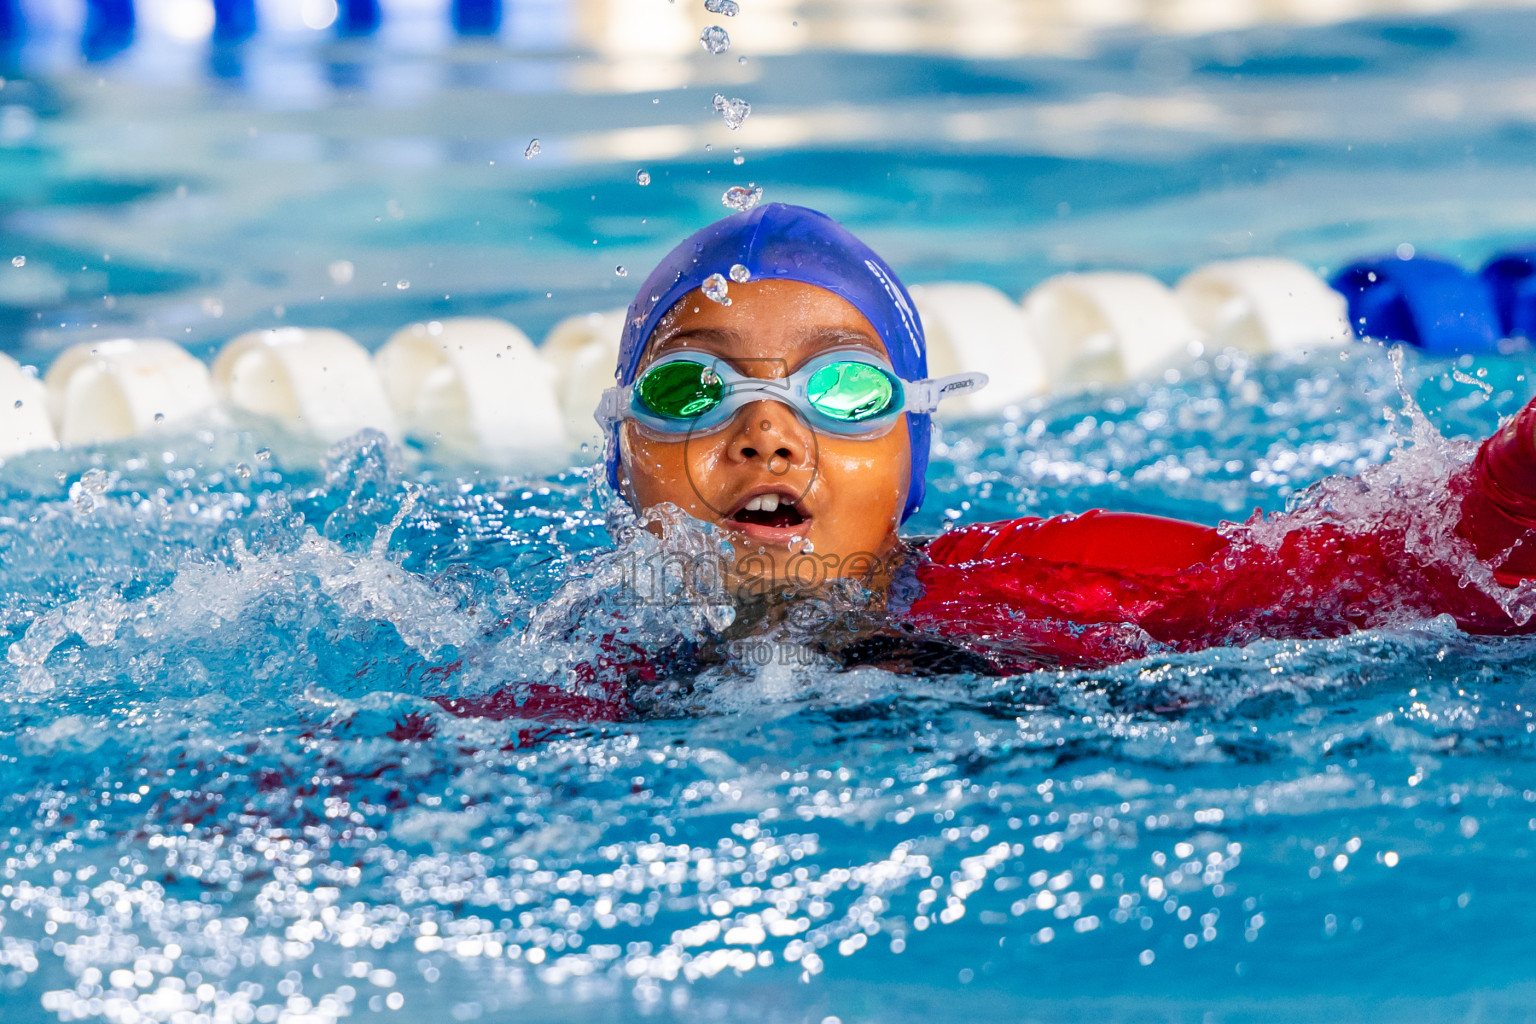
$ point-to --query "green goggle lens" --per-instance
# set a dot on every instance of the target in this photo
(850, 391)
(680, 390)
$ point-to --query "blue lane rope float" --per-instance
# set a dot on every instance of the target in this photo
(109, 26)
(358, 17)
(234, 21)
(1511, 276)
(1431, 304)
(11, 26)
(477, 17)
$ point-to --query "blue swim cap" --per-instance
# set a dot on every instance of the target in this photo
(787, 243)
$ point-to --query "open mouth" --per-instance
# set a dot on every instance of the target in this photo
(769, 510)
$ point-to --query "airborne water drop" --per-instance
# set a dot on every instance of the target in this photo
(715, 288)
(715, 39)
(742, 198)
(733, 111)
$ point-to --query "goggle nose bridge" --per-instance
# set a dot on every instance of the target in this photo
(766, 385)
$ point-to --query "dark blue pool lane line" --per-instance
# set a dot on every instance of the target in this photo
(1438, 306)
(109, 24)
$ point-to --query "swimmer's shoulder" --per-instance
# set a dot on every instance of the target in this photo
(1096, 537)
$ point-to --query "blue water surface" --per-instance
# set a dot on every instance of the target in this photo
(225, 794)
(228, 795)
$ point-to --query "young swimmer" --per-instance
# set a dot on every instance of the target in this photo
(796, 417)
(772, 380)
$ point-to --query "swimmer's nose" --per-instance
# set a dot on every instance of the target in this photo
(771, 433)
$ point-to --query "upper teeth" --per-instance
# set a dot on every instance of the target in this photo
(765, 503)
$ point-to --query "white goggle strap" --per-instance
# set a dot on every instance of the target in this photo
(611, 407)
(924, 396)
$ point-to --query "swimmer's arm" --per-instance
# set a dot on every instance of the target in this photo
(1498, 512)
(1189, 585)
(1118, 541)
(1498, 517)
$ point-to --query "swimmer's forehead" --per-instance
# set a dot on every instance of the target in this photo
(769, 329)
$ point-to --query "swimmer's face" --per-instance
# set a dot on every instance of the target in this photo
(839, 499)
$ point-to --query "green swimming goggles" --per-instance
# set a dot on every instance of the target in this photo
(851, 392)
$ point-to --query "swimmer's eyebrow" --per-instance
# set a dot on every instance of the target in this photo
(729, 344)
(717, 335)
(830, 336)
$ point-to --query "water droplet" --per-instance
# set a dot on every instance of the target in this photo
(159, 417)
(263, 454)
(1405, 251)
(18, 261)
(533, 150)
(402, 285)
(620, 271)
(734, 111)
(738, 160)
(740, 274)
(17, 405)
(642, 177)
(742, 198)
(728, 8)
(715, 288)
(242, 471)
(715, 39)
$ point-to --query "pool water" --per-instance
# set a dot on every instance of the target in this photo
(227, 795)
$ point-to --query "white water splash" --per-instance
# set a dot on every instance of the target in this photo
(1410, 495)
(665, 578)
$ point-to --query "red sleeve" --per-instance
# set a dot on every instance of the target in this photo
(1117, 540)
(1498, 511)
(1103, 586)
